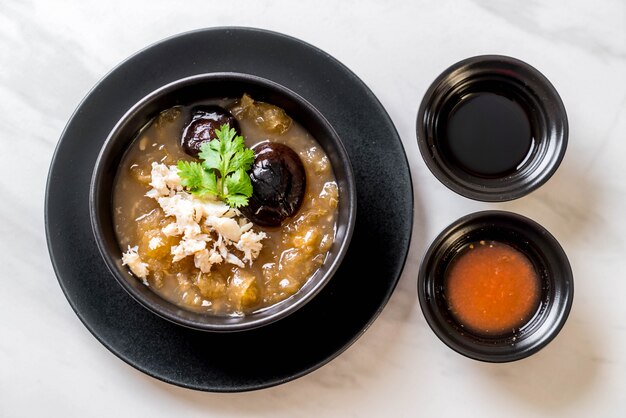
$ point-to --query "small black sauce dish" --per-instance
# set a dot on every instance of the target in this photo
(545, 254)
(492, 128)
(184, 92)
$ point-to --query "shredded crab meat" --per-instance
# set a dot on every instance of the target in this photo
(164, 180)
(226, 227)
(250, 244)
(155, 243)
(192, 215)
(131, 259)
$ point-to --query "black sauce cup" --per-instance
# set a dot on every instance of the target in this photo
(517, 81)
(548, 259)
(185, 92)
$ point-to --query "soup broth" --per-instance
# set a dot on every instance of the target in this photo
(291, 253)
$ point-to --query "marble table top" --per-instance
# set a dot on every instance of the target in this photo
(53, 52)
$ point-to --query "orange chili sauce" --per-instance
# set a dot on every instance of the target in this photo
(492, 288)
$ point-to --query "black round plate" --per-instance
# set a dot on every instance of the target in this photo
(313, 335)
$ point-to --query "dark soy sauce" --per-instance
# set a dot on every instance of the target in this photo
(488, 134)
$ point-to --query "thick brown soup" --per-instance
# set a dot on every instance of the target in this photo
(291, 253)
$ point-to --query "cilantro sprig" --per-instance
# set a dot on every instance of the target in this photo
(223, 171)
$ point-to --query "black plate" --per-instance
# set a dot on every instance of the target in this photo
(313, 335)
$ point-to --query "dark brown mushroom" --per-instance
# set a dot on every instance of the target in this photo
(205, 120)
(278, 182)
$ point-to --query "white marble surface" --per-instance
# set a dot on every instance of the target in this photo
(53, 52)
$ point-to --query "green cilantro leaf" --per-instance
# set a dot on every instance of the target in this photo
(223, 172)
(236, 200)
(238, 186)
(242, 160)
(210, 154)
(196, 179)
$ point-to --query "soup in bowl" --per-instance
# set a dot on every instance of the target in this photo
(223, 201)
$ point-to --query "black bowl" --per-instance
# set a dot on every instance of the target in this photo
(514, 80)
(548, 259)
(187, 91)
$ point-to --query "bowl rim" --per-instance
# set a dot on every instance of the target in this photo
(447, 333)
(533, 83)
(169, 314)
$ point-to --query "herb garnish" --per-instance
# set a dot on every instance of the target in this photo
(223, 171)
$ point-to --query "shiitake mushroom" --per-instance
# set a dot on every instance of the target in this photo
(278, 183)
(205, 120)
